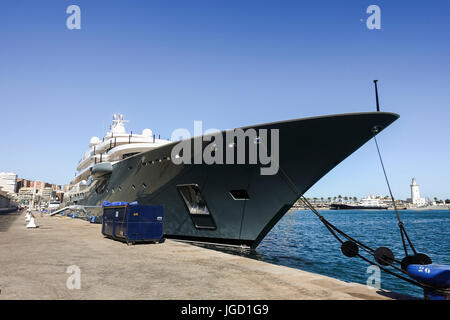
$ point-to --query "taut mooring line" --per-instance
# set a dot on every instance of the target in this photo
(366, 248)
(400, 223)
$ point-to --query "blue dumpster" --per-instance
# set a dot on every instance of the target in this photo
(131, 222)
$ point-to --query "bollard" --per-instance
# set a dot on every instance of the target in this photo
(31, 224)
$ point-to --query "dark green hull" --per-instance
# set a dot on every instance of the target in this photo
(309, 148)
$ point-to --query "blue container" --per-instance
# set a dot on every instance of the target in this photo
(132, 222)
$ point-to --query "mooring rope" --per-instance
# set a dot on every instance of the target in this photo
(333, 229)
(400, 223)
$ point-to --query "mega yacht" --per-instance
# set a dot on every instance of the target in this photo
(227, 204)
(368, 203)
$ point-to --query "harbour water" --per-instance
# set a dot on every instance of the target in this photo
(300, 240)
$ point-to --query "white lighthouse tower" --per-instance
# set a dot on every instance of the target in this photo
(415, 194)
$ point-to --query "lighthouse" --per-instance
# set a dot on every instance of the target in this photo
(415, 194)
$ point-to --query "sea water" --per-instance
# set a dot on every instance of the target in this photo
(299, 240)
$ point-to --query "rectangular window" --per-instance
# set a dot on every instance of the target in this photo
(193, 199)
(127, 155)
(196, 206)
(239, 194)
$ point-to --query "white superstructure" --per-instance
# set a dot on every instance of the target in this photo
(372, 201)
(114, 147)
(415, 194)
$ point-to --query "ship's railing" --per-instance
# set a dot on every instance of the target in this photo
(113, 145)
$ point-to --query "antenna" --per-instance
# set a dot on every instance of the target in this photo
(376, 95)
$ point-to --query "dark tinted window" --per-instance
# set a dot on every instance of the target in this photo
(193, 199)
(196, 206)
(126, 155)
(240, 194)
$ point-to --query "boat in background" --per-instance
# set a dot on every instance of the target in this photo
(369, 203)
(54, 204)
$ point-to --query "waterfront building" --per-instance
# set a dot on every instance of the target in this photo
(415, 194)
(47, 193)
(8, 181)
(25, 195)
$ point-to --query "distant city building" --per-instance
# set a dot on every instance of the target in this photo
(8, 181)
(415, 194)
(23, 183)
(47, 193)
(21, 190)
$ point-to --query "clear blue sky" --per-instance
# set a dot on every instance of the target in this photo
(164, 64)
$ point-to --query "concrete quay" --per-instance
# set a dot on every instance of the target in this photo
(34, 264)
